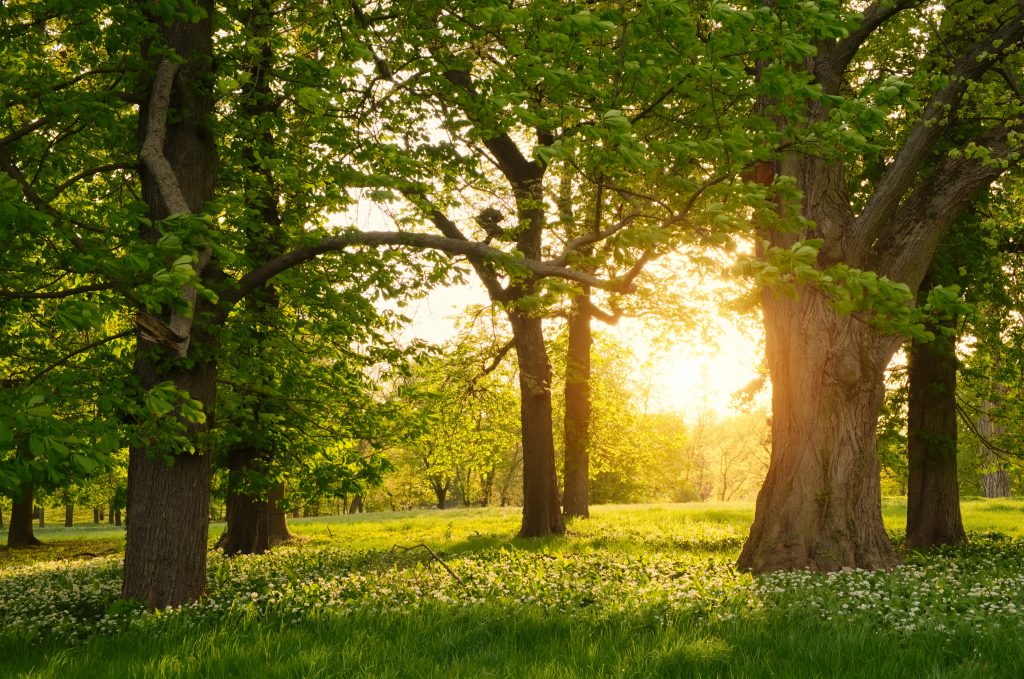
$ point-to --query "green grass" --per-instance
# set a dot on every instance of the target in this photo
(642, 591)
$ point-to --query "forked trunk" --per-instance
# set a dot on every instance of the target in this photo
(542, 514)
(933, 498)
(575, 498)
(19, 533)
(820, 506)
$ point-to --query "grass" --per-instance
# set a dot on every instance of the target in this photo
(635, 591)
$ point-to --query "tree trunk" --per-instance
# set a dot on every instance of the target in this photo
(995, 483)
(575, 498)
(95, 515)
(933, 498)
(440, 491)
(254, 524)
(40, 513)
(1, 517)
(541, 511)
(820, 506)
(19, 532)
(117, 517)
(69, 515)
(165, 556)
(357, 504)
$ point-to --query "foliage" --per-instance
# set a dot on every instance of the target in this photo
(659, 570)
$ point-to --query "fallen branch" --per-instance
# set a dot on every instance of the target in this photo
(436, 558)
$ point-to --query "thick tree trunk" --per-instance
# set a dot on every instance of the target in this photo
(933, 498)
(69, 515)
(95, 515)
(254, 524)
(165, 556)
(19, 533)
(820, 506)
(575, 498)
(117, 517)
(541, 511)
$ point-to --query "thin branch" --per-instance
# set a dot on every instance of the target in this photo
(58, 363)
(589, 238)
(84, 174)
(28, 129)
(56, 294)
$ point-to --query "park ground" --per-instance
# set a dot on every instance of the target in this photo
(635, 591)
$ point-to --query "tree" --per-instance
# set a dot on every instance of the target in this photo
(882, 206)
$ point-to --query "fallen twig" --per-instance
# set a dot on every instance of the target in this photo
(436, 558)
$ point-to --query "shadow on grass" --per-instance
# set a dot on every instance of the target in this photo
(439, 641)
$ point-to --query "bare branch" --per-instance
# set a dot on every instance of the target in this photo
(453, 246)
(843, 51)
(589, 238)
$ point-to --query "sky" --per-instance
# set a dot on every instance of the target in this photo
(684, 374)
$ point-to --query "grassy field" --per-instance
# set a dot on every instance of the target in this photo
(638, 591)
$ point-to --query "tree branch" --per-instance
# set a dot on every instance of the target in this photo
(453, 246)
(934, 123)
(58, 363)
(152, 152)
(842, 52)
(56, 294)
(84, 174)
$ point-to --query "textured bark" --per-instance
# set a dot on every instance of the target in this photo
(254, 523)
(820, 506)
(165, 556)
(19, 532)
(541, 511)
(576, 493)
(933, 497)
(995, 483)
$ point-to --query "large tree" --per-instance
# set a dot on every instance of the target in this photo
(882, 207)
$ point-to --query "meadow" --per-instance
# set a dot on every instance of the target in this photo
(635, 591)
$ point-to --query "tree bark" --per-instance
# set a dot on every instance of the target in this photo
(576, 494)
(41, 515)
(995, 483)
(254, 524)
(69, 515)
(117, 517)
(19, 532)
(933, 497)
(820, 506)
(165, 556)
(440, 491)
(541, 511)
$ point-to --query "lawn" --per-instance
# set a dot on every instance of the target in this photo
(636, 591)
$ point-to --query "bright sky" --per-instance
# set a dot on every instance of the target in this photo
(687, 376)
